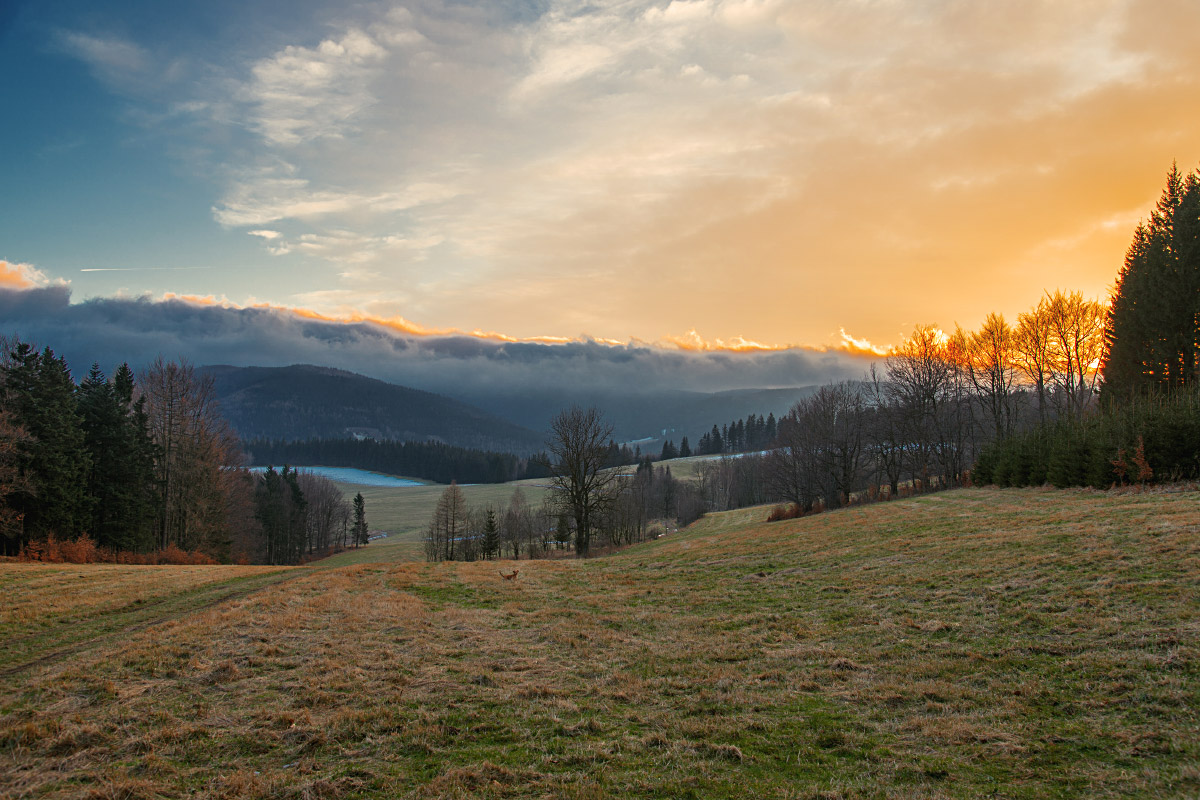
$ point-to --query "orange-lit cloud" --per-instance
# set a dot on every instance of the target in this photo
(862, 346)
(395, 324)
(20, 276)
(694, 342)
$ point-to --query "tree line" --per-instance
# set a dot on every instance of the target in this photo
(301, 515)
(921, 421)
(643, 506)
(1076, 392)
(138, 464)
(1145, 426)
(640, 506)
(433, 461)
(919, 424)
(593, 504)
(754, 433)
(940, 399)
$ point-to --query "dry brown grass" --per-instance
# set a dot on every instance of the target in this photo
(40, 594)
(1011, 643)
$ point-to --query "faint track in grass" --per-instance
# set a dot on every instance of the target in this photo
(134, 619)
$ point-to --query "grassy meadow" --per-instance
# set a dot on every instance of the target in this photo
(976, 643)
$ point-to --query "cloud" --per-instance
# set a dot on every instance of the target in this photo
(112, 58)
(751, 168)
(263, 199)
(122, 64)
(21, 276)
(304, 93)
(647, 151)
(209, 330)
(863, 346)
(693, 341)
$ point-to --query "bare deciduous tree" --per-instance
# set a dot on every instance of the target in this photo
(517, 525)
(989, 361)
(1077, 342)
(583, 488)
(326, 513)
(1032, 351)
(885, 432)
(822, 451)
(791, 469)
(837, 412)
(927, 385)
(194, 445)
(918, 375)
(449, 522)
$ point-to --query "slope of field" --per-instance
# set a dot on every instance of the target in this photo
(50, 610)
(1018, 644)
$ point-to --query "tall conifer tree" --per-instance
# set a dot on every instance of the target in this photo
(362, 533)
(121, 477)
(1153, 328)
(53, 460)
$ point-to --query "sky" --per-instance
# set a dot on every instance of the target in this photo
(708, 175)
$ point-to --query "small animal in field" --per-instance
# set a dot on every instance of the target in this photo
(515, 572)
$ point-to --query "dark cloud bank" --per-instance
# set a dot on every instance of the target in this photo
(110, 330)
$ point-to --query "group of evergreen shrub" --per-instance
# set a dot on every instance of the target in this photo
(1140, 441)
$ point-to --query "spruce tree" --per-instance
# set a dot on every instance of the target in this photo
(53, 460)
(1153, 327)
(280, 508)
(140, 500)
(362, 533)
(101, 419)
(11, 483)
(491, 535)
(121, 478)
(685, 449)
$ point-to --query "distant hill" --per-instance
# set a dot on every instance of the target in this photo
(646, 415)
(304, 401)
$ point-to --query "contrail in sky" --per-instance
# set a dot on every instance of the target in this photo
(134, 269)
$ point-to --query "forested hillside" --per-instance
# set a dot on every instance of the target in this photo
(638, 415)
(307, 402)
